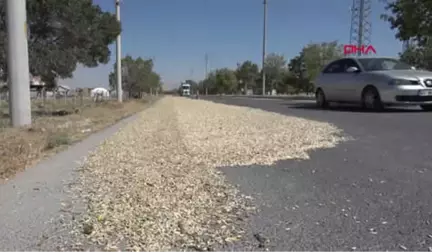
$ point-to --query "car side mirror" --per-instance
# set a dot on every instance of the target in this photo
(352, 70)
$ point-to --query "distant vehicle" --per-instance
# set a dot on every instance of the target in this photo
(185, 89)
(374, 83)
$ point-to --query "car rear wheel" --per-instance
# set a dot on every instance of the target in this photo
(371, 99)
(321, 100)
(426, 107)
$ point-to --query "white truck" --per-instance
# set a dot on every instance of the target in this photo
(185, 89)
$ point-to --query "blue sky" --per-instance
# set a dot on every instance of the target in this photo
(178, 33)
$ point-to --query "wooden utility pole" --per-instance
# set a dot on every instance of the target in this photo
(206, 72)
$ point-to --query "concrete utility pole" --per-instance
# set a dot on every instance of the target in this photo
(264, 48)
(118, 57)
(206, 72)
(18, 63)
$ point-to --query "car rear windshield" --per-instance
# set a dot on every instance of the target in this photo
(380, 64)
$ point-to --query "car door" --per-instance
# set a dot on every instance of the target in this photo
(329, 80)
(348, 82)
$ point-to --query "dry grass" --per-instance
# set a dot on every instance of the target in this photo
(161, 191)
(56, 124)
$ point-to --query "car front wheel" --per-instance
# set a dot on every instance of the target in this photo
(371, 99)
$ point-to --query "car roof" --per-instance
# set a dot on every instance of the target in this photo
(368, 57)
(360, 57)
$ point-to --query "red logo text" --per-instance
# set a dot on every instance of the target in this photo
(353, 49)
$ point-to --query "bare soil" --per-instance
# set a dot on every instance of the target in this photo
(56, 124)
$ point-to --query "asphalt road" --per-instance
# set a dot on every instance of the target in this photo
(371, 193)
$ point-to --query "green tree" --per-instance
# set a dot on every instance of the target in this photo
(412, 19)
(210, 83)
(306, 66)
(62, 34)
(295, 66)
(316, 55)
(296, 73)
(225, 81)
(275, 66)
(138, 76)
(247, 73)
(420, 57)
(291, 84)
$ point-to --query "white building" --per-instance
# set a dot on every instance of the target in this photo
(99, 92)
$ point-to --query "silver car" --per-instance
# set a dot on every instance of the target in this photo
(374, 83)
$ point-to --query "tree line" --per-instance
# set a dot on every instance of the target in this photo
(284, 76)
(411, 19)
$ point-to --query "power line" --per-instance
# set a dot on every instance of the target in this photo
(18, 63)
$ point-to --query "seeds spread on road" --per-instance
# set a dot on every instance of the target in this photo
(154, 185)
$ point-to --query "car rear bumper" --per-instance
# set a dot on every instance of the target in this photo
(406, 95)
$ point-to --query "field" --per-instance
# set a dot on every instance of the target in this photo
(56, 124)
